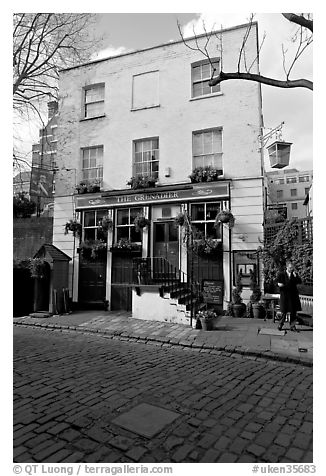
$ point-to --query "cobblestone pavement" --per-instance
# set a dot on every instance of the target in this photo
(69, 387)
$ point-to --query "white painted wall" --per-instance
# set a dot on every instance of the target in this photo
(236, 109)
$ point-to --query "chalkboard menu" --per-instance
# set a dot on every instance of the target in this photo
(213, 291)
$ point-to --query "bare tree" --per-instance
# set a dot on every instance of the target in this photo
(303, 38)
(42, 44)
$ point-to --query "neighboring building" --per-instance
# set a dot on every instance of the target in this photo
(21, 183)
(288, 189)
(44, 162)
(152, 113)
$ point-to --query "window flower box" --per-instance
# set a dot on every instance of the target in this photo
(142, 181)
(205, 174)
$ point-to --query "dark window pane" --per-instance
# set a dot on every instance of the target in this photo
(210, 230)
(160, 232)
(99, 215)
(89, 219)
(101, 235)
(133, 213)
(173, 232)
(211, 210)
(89, 233)
(198, 212)
(123, 232)
(199, 230)
(123, 216)
(135, 236)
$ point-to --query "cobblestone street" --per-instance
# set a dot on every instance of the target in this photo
(70, 387)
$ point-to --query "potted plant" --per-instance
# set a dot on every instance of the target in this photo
(206, 318)
(74, 226)
(254, 302)
(142, 181)
(224, 216)
(141, 222)
(238, 307)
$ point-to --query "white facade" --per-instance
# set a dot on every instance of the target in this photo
(148, 95)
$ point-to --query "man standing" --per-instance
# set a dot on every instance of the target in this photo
(289, 296)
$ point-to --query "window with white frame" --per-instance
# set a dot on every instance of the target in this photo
(294, 206)
(291, 179)
(203, 217)
(92, 163)
(91, 221)
(125, 228)
(279, 194)
(146, 157)
(207, 148)
(93, 103)
(201, 74)
(293, 192)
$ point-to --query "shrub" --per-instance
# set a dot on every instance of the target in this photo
(23, 207)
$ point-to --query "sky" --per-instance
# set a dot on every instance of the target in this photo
(123, 32)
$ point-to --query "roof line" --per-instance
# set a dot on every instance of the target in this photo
(157, 46)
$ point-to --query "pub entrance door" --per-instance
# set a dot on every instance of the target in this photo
(166, 241)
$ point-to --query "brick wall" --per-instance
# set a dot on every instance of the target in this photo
(29, 234)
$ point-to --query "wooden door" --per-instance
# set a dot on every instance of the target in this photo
(92, 281)
(166, 242)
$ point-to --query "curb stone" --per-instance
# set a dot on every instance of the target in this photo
(174, 342)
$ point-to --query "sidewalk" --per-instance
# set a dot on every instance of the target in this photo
(253, 337)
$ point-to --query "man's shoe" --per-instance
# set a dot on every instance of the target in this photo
(293, 329)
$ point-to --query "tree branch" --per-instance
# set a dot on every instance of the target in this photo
(297, 83)
(299, 20)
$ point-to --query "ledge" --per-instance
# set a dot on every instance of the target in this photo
(83, 119)
(206, 96)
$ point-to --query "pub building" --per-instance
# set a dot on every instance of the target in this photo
(152, 116)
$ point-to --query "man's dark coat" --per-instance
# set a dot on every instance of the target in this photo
(289, 295)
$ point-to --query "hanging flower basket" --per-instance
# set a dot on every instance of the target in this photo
(180, 219)
(37, 268)
(225, 216)
(279, 154)
(74, 226)
(141, 222)
(106, 224)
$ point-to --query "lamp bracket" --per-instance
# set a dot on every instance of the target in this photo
(263, 139)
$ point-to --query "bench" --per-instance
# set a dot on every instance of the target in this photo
(305, 316)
